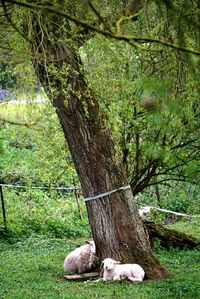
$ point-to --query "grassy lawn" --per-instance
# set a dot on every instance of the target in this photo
(33, 268)
(188, 226)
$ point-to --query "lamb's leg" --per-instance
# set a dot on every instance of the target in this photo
(135, 278)
(117, 277)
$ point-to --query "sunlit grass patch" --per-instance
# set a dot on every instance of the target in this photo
(22, 112)
(33, 268)
(188, 226)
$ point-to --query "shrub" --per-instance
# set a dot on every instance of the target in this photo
(37, 213)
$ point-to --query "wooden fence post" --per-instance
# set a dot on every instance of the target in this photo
(77, 196)
(3, 209)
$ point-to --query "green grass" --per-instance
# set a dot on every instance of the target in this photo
(33, 268)
(42, 214)
(188, 226)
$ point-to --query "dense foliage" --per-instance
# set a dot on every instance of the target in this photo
(36, 156)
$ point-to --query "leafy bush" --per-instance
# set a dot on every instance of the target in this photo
(36, 212)
(35, 154)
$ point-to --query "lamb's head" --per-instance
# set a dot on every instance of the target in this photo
(147, 210)
(144, 211)
(92, 246)
(109, 264)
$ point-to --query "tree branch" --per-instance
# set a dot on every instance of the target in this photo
(6, 15)
(98, 15)
(180, 145)
(131, 39)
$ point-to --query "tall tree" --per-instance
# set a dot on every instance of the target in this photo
(116, 226)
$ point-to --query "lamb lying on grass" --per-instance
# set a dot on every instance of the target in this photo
(82, 259)
(114, 270)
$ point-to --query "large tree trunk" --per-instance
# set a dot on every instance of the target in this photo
(116, 227)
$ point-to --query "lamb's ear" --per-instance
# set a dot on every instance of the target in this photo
(116, 262)
(89, 242)
(103, 262)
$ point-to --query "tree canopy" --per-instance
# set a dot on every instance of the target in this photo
(153, 91)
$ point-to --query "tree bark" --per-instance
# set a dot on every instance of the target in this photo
(117, 229)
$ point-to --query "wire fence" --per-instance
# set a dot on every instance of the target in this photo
(72, 190)
(76, 191)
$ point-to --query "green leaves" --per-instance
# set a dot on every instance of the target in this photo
(37, 155)
(149, 105)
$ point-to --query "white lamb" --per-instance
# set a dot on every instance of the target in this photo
(81, 259)
(143, 212)
(114, 270)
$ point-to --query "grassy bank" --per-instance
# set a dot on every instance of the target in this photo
(33, 268)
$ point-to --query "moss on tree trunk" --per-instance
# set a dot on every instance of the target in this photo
(170, 237)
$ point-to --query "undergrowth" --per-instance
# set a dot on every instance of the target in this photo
(40, 213)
